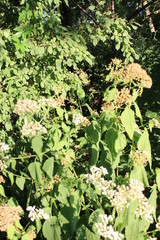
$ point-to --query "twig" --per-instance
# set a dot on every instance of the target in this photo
(88, 15)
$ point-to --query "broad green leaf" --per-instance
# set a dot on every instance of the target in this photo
(38, 225)
(50, 50)
(63, 194)
(58, 65)
(138, 113)
(128, 121)
(35, 171)
(110, 138)
(92, 7)
(51, 229)
(10, 232)
(11, 177)
(69, 215)
(60, 111)
(48, 166)
(153, 199)
(120, 142)
(20, 181)
(91, 235)
(158, 178)
(144, 145)
(59, 145)
(140, 174)
(37, 145)
(109, 94)
(94, 154)
(94, 132)
(2, 192)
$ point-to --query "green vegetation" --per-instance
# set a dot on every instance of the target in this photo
(79, 120)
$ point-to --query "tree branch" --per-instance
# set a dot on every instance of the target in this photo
(88, 15)
(135, 13)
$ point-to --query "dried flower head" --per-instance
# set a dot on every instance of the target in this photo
(83, 76)
(123, 97)
(134, 74)
(32, 234)
(26, 106)
(156, 123)
(3, 147)
(2, 180)
(9, 215)
(139, 158)
(33, 129)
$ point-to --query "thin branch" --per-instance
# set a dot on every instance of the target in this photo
(88, 15)
(135, 13)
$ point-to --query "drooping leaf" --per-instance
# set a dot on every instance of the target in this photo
(37, 145)
(48, 166)
(128, 121)
(51, 229)
(20, 181)
(144, 145)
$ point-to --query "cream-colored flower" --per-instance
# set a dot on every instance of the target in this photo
(9, 215)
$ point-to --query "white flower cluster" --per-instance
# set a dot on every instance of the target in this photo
(151, 238)
(35, 213)
(158, 224)
(121, 196)
(79, 119)
(127, 194)
(106, 187)
(105, 229)
(26, 106)
(3, 147)
(2, 165)
(33, 128)
(50, 102)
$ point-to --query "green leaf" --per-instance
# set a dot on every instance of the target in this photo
(10, 232)
(94, 154)
(158, 178)
(2, 192)
(128, 121)
(38, 225)
(109, 94)
(11, 177)
(138, 113)
(20, 181)
(132, 230)
(69, 214)
(94, 132)
(153, 199)
(50, 50)
(37, 145)
(51, 229)
(144, 145)
(140, 174)
(58, 65)
(91, 235)
(91, 7)
(48, 166)
(120, 142)
(35, 172)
